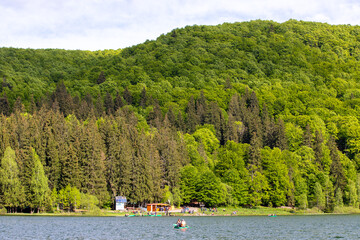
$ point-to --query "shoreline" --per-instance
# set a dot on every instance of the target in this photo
(222, 212)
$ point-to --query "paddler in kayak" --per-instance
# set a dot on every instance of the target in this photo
(178, 223)
(183, 223)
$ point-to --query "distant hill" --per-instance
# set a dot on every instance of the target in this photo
(265, 113)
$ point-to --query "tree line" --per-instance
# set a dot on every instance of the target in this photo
(252, 113)
(239, 157)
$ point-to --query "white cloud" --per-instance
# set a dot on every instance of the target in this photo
(112, 24)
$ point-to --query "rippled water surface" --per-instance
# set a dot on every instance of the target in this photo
(281, 227)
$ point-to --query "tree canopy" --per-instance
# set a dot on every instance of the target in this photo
(251, 113)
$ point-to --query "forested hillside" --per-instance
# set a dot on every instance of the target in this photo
(246, 114)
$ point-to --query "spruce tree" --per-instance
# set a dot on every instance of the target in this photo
(155, 117)
(268, 128)
(336, 169)
(171, 117)
(118, 102)
(92, 161)
(318, 148)
(143, 99)
(63, 98)
(192, 118)
(307, 136)
(201, 108)
(99, 107)
(281, 141)
(5, 105)
(101, 78)
(109, 104)
(18, 106)
(127, 96)
(234, 107)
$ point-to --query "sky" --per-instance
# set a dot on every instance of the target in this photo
(113, 24)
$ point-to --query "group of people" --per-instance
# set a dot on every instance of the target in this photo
(181, 223)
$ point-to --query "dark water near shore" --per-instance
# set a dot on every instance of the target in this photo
(256, 227)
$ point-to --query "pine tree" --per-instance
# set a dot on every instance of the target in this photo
(4, 105)
(127, 96)
(268, 128)
(254, 152)
(201, 108)
(336, 169)
(101, 78)
(192, 118)
(155, 171)
(143, 99)
(155, 117)
(108, 104)
(18, 106)
(180, 124)
(318, 148)
(32, 105)
(88, 99)
(254, 104)
(118, 102)
(214, 117)
(99, 107)
(281, 141)
(171, 117)
(307, 136)
(92, 161)
(228, 84)
(172, 159)
(234, 107)
(83, 111)
(63, 98)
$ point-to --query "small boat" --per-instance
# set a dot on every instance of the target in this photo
(272, 215)
(177, 227)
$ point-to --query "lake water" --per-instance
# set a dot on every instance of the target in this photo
(254, 227)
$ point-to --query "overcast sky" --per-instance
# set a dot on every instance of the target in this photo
(114, 24)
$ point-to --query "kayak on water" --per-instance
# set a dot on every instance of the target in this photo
(178, 227)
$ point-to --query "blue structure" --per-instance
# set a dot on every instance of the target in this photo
(120, 202)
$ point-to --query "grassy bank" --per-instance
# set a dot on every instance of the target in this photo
(222, 211)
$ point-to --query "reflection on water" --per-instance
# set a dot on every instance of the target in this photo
(281, 227)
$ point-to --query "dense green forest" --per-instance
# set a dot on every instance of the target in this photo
(245, 114)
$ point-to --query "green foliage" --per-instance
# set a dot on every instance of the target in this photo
(210, 190)
(39, 188)
(89, 202)
(12, 192)
(319, 196)
(303, 202)
(167, 196)
(251, 113)
(188, 183)
(69, 198)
